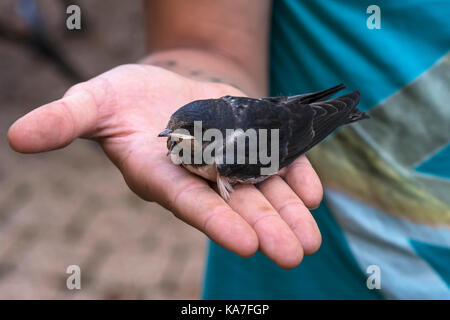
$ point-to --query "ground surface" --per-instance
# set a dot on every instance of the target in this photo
(72, 206)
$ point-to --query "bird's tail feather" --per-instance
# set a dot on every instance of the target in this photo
(334, 113)
(351, 100)
(317, 96)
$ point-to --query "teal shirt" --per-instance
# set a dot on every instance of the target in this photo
(387, 179)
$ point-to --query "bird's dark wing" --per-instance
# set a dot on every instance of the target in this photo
(264, 114)
(327, 117)
(301, 126)
(307, 97)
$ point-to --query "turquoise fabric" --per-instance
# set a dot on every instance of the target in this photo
(316, 44)
(330, 274)
(437, 164)
(437, 256)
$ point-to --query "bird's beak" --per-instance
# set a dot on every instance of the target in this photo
(165, 133)
(168, 133)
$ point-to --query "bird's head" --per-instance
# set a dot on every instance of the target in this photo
(181, 125)
(197, 115)
(177, 133)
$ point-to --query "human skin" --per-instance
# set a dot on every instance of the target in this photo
(223, 51)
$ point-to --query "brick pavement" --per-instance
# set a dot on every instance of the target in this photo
(71, 206)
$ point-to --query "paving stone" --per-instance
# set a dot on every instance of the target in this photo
(72, 206)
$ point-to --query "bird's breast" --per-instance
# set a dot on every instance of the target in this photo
(208, 171)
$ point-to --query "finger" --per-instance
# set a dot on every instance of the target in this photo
(191, 199)
(276, 240)
(54, 125)
(303, 179)
(293, 211)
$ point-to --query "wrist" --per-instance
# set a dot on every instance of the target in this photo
(206, 66)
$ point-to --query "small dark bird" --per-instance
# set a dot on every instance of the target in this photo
(302, 122)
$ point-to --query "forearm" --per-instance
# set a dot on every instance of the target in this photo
(204, 65)
(217, 41)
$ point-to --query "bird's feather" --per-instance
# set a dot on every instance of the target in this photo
(301, 126)
(302, 120)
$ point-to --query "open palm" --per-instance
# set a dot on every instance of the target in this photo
(125, 108)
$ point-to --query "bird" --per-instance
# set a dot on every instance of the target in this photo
(301, 121)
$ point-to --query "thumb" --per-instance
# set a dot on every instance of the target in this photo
(56, 124)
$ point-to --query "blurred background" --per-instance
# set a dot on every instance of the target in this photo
(72, 207)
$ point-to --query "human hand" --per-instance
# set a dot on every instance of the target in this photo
(125, 108)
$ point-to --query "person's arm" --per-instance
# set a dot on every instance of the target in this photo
(193, 45)
(218, 41)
